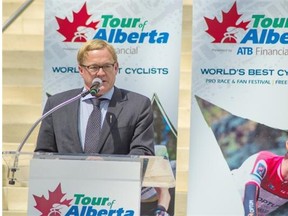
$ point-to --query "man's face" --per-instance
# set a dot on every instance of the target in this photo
(90, 69)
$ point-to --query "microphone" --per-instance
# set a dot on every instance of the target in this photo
(94, 89)
(96, 84)
(14, 168)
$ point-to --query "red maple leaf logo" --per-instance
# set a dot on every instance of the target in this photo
(227, 30)
(53, 203)
(76, 31)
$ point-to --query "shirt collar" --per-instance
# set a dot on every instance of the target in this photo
(107, 95)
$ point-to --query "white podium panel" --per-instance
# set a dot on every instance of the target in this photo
(84, 187)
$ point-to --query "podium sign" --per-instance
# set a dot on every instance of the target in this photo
(91, 187)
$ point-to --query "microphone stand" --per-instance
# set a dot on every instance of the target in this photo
(14, 168)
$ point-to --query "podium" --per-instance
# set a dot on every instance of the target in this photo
(86, 185)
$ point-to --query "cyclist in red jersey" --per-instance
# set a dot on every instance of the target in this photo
(263, 180)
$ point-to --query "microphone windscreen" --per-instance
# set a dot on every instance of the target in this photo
(96, 81)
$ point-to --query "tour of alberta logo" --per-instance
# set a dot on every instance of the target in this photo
(54, 204)
(259, 30)
(57, 204)
(227, 30)
(108, 27)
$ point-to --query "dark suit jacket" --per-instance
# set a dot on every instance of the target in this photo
(127, 128)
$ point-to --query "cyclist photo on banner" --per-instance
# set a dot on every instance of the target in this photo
(257, 156)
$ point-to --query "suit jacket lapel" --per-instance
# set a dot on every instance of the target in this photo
(74, 117)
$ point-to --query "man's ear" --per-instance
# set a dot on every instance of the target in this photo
(116, 67)
(80, 69)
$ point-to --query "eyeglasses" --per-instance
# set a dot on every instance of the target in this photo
(93, 69)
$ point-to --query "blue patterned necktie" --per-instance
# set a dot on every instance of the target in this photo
(93, 128)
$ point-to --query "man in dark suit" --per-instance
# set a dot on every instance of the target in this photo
(126, 117)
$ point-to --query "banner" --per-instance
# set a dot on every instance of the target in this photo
(97, 192)
(239, 107)
(147, 38)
